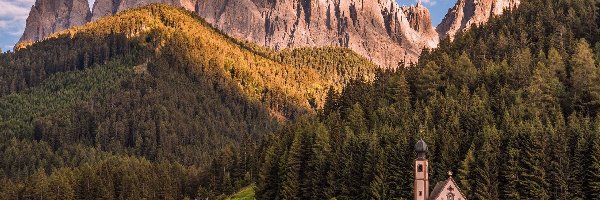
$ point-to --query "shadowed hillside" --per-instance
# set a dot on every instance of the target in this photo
(156, 89)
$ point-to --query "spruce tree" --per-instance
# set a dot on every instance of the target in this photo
(579, 146)
(545, 89)
(291, 188)
(585, 78)
(593, 172)
(509, 171)
(485, 183)
(465, 173)
(532, 183)
(559, 171)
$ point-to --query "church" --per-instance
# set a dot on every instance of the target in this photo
(443, 190)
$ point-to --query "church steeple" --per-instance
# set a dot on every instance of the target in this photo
(421, 186)
(419, 3)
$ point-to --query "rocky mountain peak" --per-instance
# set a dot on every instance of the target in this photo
(466, 13)
(49, 16)
(381, 30)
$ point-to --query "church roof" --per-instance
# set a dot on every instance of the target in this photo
(439, 187)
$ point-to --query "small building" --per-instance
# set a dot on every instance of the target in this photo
(443, 190)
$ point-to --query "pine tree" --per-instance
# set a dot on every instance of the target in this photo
(60, 186)
(291, 188)
(509, 171)
(331, 101)
(532, 183)
(485, 183)
(465, 173)
(545, 89)
(593, 172)
(464, 72)
(379, 187)
(269, 179)
(585, 78)
(428, 81)
(579, 146)
(559, 171)
(38, 186)
(317, 165)
(556, 63)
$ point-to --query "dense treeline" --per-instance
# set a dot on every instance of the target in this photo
(112, 178)
(150, 91)
(510, 107)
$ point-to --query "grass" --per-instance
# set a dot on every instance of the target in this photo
(246, 193)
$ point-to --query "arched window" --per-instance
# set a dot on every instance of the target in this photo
(419, 168)
(450, 196)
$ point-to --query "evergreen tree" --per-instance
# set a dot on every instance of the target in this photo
(269, 179)
(38, 186)
(465, 175)
(593, 173)
(545, 90)
(579, 146)
(532, 183)
(584, 78)
(559, 171)
(294, 169)
(485, 183)
(509, 172)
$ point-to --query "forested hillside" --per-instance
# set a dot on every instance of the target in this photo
(510, 107)
(151, 103)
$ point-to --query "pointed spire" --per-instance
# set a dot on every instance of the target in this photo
(419, 3)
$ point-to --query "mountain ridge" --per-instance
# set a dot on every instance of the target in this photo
(383, 31)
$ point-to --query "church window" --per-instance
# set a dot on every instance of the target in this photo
(420, 193)
(450, 196)
(419, 168)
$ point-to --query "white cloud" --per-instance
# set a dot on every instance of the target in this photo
(428, 2)
(12, 20)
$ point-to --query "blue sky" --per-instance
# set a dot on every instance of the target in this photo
(13, 14)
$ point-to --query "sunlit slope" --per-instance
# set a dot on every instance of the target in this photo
(288, 82)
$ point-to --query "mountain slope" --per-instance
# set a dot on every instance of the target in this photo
(150, 86)
(511, 107)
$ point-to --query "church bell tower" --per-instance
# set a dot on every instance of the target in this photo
(421, 187)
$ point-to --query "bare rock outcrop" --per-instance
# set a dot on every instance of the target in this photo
(466, 13)
(49, 16)
(380, 30)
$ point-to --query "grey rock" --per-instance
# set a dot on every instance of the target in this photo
(380, 30)
(50, 16)
(466, 13)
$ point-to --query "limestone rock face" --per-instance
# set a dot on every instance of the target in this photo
(49, 16)
(377, 29)
(471, 12)
(380, 30)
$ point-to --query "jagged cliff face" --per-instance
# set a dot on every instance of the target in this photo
(49, 16)
(471, 12)
(380, 30)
